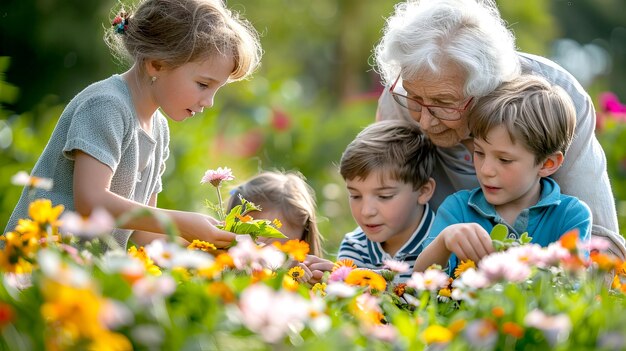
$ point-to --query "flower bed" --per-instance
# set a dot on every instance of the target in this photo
(167, 297)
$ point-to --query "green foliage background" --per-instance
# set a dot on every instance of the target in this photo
(316, 76)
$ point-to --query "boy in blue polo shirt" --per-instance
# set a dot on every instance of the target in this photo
(387, 169)
(521, 132)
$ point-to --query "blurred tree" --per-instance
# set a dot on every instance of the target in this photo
(56, 47)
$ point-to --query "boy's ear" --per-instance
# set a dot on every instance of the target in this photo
(426, 191)
(551, 164)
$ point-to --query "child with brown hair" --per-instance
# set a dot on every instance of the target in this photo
(388, 172)
(111, 142)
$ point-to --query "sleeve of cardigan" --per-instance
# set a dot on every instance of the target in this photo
(98, 128)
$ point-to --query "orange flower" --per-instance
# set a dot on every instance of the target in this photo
(221, 290)
(366, 278)
(617, 283)
(569, 240)
(298, 249)
(244, 219)
(262, 274)
(497, 312)
(346, 262)
(603, 261)
(201, 245)
(399, 289)
(456, 326)
(513, 329)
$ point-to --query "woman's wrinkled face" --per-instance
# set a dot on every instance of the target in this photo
(443, 89)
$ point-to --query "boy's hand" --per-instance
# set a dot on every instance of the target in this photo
(467, 241)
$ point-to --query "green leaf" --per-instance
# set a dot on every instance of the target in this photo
(499, 232)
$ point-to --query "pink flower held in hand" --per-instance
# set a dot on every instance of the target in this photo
(216, 177)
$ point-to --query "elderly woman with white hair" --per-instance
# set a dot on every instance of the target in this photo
(439, 56)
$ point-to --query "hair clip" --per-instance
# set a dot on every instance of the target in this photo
(120, 23)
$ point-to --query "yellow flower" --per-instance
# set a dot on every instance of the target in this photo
(18, 252)
(463, 266)
(296, 273)
(140, 253)
(108, 341)
(71, 314)
(298, 249)
(445, 292)
(319, 289)
(290, 283)
(437, 334)
(201, 245)
(42, 212)
(29, 229)
(366, 278)
(277, 223)
(346, 262)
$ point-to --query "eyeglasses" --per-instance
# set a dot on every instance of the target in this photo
(445, 113)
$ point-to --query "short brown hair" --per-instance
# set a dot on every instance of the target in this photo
(181, 31)
(534, 112)
(397, 147)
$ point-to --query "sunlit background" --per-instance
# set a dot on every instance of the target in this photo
(314, 91)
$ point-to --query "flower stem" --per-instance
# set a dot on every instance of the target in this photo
(220, 210)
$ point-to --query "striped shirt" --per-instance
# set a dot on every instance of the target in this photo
(369, 254)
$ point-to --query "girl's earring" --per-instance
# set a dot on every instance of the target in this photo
(152, 80)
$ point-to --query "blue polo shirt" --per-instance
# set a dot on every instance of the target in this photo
(554, 215)
(369, 254)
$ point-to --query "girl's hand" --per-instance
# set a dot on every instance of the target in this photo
(202, 227)
(467, 241)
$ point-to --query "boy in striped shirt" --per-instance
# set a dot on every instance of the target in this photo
(387, 169)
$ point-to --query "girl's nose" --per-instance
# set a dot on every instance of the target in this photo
(207, 100)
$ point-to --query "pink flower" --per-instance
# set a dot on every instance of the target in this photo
(340, 274)
(216, 177)
(397, 266)
(556, 328)
(100, 222)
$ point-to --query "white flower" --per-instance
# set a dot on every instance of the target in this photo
(272, 314)
(431, 279)
(22, 178)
